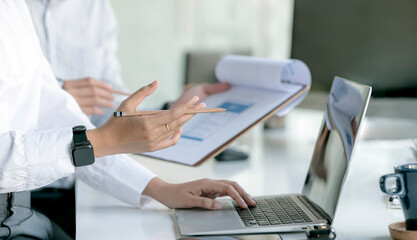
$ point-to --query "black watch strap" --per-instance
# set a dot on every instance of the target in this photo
(81, 149)
(79, 135)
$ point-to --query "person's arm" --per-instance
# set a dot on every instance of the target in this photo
(95, 96)
(33, 159)
(200, 193)
(192, 194)
(141, 133)
(117, 175)
(110, 65)
(29, 159)
(91, 95)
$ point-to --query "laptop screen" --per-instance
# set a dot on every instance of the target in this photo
(343, 115)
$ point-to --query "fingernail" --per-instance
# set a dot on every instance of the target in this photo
(109, 85)
(245, 205)
(195, 99)
(217, 205)
(153, 83)
(202, 105)
(252, 200)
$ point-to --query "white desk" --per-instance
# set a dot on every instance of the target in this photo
(278, 164)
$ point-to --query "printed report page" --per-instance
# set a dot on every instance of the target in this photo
(206, 132)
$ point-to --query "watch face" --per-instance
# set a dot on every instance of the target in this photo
(83, 156)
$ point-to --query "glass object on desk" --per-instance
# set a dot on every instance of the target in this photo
(414, 149)
(394, 202)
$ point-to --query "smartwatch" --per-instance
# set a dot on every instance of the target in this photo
(81, 149)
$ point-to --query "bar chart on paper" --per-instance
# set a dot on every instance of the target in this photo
(205, 134)
(200, 129)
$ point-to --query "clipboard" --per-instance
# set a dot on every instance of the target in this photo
(221, 148)
(206, 135)
(214, 152)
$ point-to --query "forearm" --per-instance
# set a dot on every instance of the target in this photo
(105, 141)
(157, 189)
(101, 143)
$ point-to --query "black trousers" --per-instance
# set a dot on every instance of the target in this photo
(19, 221)
(58, 205)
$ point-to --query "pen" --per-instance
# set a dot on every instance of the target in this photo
(121, 93)
(191, 111)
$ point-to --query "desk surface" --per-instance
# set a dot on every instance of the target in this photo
(278, 164)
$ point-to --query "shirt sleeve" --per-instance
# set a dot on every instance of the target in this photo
(117, 175)
(120, 176)
(34, 159)
(29, 159)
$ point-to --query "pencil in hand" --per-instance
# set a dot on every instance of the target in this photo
(120, 93)
(191, 111)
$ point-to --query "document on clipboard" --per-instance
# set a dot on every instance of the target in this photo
(259, 89)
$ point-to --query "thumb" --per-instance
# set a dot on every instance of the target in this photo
(133, 101)
(216, 88)
(207, 203)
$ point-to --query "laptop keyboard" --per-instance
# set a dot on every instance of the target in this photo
(273, 211)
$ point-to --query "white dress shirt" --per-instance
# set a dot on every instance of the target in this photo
(79, 39)
(37, 117)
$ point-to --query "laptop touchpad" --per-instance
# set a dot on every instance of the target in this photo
(201, 219)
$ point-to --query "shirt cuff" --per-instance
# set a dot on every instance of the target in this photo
(48, 156)
(119, 176)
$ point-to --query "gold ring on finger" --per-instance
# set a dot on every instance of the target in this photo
(167, 128)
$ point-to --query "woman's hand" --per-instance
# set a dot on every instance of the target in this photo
(202, 91)
(139, 134)
(91, 94)
(200, 193)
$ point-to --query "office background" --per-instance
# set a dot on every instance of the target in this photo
(155, 37)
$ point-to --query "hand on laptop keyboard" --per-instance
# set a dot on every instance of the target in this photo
(200, 193)
(273, 211)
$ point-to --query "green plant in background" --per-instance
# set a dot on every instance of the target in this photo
(414, 149)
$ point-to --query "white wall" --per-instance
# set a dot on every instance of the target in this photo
(155, 34)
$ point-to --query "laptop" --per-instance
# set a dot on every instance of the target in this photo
(344, 112)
